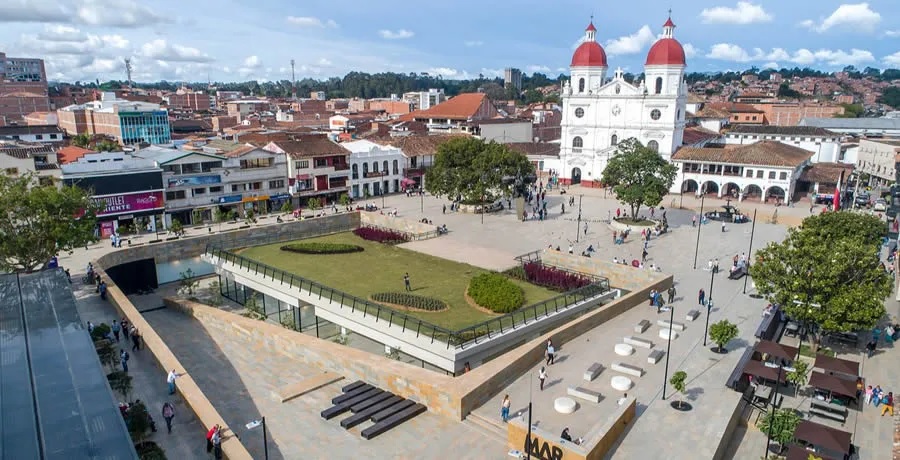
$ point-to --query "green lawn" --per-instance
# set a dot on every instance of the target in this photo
(380, 268)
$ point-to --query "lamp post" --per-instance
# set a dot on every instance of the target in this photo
(773, 400)
(750, 251)
(668, 350)
(709, 303)
(699, 225)
(256, 423)
(528, 436)
(578, 229)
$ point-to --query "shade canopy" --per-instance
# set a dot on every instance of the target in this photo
(823, 436)
(839, 365)
(777, 350)
(833, 384)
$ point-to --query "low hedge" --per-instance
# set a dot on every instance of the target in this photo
(410, 300)
(321, 248)
(496, 293)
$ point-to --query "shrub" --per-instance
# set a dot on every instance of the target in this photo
(496, 292)
(410, 300)
(149, 450)
(554, 278)
(381, 235)
(517, 272)
(321, 248)
(100, 332)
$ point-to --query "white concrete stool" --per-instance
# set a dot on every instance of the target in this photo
(623, 349)
(664, 334)
(564, 405)
(621, 383)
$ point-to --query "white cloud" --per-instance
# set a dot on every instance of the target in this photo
(852, 16)
(60, 33)
(324, 63)
(728, 52)
(537, 68)
(690, 50)
(842, 58)
(253, 62)
(491, 73)
(892, 33)
(116, 13)
(59, 39)
(771, 65)
(473, 43)
(161, 50)
(309, 21)
(33, 11)
(777, 54)
(251, 65)
(803, 56)
(445, 72)
(631, 44)
(742, 13)
(398, 34)
(893, 60)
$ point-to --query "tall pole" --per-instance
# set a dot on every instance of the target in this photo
(668, 350)
(578, 229)
(772, 422)
(422, 197)
(709, 303)
(750, 251)
(265, 440)
(528, 437)
(699, 225)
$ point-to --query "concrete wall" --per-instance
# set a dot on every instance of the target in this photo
(418, 229)
(620, 276)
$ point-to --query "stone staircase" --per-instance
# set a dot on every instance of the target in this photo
(494, 428)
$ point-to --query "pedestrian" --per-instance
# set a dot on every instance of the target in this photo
(870, 348)
(618, 212)
(103, 290)
(170, 379)
(644, 255)
(550, 352)
(652, 296)
(723, 227)
(217, 444)
(888, 404)
(571, 249)
(406, 282)
(585, 229)
(68, 276)
(702, 297)
(562, 208)
(615, 236)
(135, 340)
(115, 330)
(716, 266)
(124, 324)
(168, 413)
(444, 209)
(90, 327)
(694, 220)
(671, 292)
(123, 358)
(868, 394)
(209, 436)
(542, 376)
(504, 409)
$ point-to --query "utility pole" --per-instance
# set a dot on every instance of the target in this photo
(578, 230)
(293, 82)
(128, 70)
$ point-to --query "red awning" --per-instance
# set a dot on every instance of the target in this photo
(303, 176)
(407, 181)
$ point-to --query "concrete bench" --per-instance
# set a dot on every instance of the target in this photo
(637, 342)
(641, 326)
(592, 372)
(585, 394)
(675, 324)
(627, 369)
(830, 416)
(655, 356)
(692, 315)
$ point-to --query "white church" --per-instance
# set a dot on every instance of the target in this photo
(599, 111)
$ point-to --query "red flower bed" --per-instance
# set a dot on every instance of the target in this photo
(554, 278)
(380, 235)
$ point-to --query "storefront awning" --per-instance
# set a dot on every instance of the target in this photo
(249, 199)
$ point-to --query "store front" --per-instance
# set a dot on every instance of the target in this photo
(130, 195)
(277, 201)
(257, 204)
(129, 214)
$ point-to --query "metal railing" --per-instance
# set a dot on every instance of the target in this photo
(458, 339)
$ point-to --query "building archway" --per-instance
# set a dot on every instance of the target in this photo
(775, 193)
(689, 186)
(752, 192)
(576, 176)
(710, 188)
(731, 190)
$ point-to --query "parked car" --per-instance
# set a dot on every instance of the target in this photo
(861, 199)
(880, 205)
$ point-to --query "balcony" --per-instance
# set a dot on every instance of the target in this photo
(341, 166)
(375, 174)
(337, 182)
(414, 171)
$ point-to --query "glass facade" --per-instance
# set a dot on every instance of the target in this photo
(150, 127)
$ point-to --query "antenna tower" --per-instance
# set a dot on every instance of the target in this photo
(128, 70)
(293, 81)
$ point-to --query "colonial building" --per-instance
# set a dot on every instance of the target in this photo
(419, 151)
(316, 166)
(598, 111)
(374, 169)
(824, 144)
(19, 157)
(455, 114)
(877, 158)
(766, 169)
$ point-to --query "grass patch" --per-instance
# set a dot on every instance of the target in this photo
(380, 268)
(805, 350)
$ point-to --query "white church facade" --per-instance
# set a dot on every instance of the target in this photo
(600, 111)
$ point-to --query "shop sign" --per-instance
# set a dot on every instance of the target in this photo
(129, 203)
(194, 180)
(230, 199)
(255, 198)
(280, 196)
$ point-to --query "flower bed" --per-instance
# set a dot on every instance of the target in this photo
(410, 300)
(554, 278)
(496, 292)
(381, 235)
(321, 248)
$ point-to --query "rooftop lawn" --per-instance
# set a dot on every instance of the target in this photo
(380, 268)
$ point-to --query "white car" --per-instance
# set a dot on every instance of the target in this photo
(880, 205)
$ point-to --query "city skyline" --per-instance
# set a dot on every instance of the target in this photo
(231, 41)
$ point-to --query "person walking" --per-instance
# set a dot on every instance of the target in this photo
(123, 358)
(124, 325)
(888, 404)
(170, 379)
(694, 220)
(504, 409)
(542, 376)
(671, 292)
(217, 443)
(135, 339)
(550, 352)
(168, 413)
(115, 330)
(702, 297)
(406, 282)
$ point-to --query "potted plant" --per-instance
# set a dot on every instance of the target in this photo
(780, 426)
(678, 383)
(721, 333)
(797, 376)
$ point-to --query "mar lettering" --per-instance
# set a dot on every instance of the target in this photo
(542, 449)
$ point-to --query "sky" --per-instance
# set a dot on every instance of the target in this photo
(231, 40)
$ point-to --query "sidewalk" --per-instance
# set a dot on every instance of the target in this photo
(149, 383)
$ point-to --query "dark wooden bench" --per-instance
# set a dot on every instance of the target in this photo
(364, 415)
(389, 411)
(352, 394)
(370, 402)
(833, 408)
(339, 409)
(352, 386)
(393, 421)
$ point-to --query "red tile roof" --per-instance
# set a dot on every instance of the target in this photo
(71, 154)
(463, 107)
(309, 145)
(694, 134)
(733, 107)
(763, 153)
(535, 148)
(419, 144)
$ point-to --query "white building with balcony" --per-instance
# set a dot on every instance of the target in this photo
(824, 144)
(374, 169)
(316, 167)
(765, 171)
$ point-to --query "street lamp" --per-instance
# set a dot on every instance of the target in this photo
(578, 230)
(255, 423)
(668, 350)
(749, 251)
(772, 401)
(709, 303)
(699, 225)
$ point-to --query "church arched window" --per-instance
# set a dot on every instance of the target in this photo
(658, 85)
(581, 85)
(577, 142)
(653, 145)
(614, 140)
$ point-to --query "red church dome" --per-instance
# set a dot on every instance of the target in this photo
(589, 54)
(666, 51)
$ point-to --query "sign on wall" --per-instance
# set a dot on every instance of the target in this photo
(194, 180)
(129, 203)
(542, 449)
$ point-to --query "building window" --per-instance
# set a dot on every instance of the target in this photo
(257, 163)
(54, 136)
(750, 173)
(618, 88)
(783, 176)
(581, 85)
(45, 181)
(198, 191)
(759, 173)
(301, 164)
(238, 187)
(375, 166)
(256, 186)
(579, 112)
(384, 166)
(653, 145)
(365, 169)
(754, 119)
(658, 85)
(12, 171)
(276, 184)
(175, 195)
(39, 136)
(614, 140)
(355, 170)
(771, 175)
(396, 167)
(577, 142)
(321, 163)
(215, 190)
(655, 114)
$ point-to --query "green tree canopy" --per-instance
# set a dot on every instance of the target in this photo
(826, 273)
(638, 175)
(780, 425)
(474, 169)
(41, 221)
(722, 332)
(891, 96)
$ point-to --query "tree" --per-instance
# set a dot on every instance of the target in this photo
(214, 290)
(249, 217)
(722, 332)
(678, 383)
(39, 222)
(82, 140)
(106, 146)
(798, 376)
(852, 111)
(120, 382)
(475, 169)
(286, 208)
(780, 426)
(253, 309)
(314, 204)
(891, 96)
(188, 283)
(638, 175)
(107, 354)
(138, 421)
(197, 216)
(220, 215)
(344, 199)
(176, 227)
(826, 274)
(785, 91)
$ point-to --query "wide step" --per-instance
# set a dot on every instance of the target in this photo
(392, 421)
